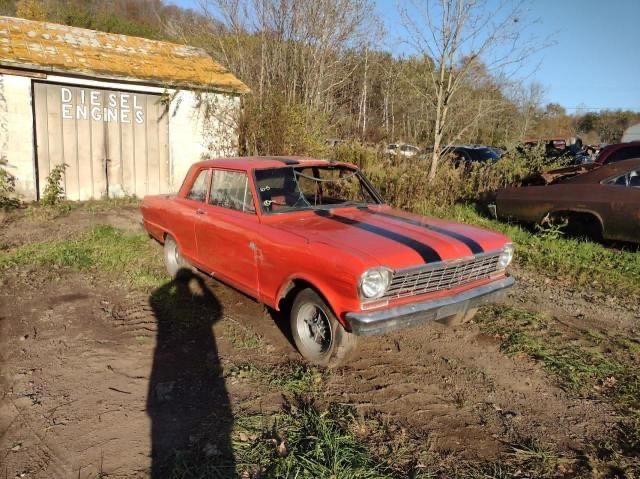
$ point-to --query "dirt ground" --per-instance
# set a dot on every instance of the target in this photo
(95, 380)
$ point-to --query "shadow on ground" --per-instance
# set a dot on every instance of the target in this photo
(187, 400)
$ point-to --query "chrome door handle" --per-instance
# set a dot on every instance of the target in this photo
(199, 211)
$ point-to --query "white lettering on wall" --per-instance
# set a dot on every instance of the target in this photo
(67, 95)
(66, 111)
(80, 104)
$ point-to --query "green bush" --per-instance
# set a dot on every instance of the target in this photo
(8, 197)
(54, 190)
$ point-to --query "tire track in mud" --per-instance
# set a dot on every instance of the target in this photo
(452, 384)
(457, 387)
(78, 382)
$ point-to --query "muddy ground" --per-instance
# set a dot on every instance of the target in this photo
(96, 380)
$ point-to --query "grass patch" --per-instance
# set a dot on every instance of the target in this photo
(129, 256)
(300, 442)
(582, 262)
(291, 377)
(240, 336)
(304, 441)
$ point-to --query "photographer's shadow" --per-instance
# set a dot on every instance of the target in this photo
(187, 399)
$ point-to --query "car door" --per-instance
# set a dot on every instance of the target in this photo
(226, 231)
(623, 197)
(187, 214)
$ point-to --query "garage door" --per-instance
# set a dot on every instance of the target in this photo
(115, 143)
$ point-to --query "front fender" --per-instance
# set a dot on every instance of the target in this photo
(341, 299)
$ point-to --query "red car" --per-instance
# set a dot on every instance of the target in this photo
(618, 152)
(314, 236)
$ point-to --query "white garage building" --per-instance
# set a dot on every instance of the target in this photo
(127, 115)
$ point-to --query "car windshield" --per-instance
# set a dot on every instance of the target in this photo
(318, 187)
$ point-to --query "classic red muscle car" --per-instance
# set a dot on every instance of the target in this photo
(315, 237)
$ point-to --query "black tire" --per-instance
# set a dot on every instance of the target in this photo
(173, 259)
(322, 341)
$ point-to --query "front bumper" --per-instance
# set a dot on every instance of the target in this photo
(412, 314)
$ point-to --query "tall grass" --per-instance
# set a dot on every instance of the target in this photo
(404, 183)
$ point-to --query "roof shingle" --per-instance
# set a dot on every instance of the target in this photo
(54, 48)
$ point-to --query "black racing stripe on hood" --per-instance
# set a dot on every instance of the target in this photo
(428, 254)
(473, 245)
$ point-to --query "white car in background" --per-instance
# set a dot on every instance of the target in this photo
(402, 149)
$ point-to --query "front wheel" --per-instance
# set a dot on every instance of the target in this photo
(173, 259)
(318, 334)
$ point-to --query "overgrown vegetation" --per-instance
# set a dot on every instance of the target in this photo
(54, 192)
(8, 199)
(404, 183)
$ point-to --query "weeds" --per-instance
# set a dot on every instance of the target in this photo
(291, 377)
(127, 256)
(301, 441)
(54, 189)
(240, 336)
(8, 198)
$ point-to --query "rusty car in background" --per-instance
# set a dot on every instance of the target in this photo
(618, 152)
(599, 201)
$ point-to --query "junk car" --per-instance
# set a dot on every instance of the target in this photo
(314, 239)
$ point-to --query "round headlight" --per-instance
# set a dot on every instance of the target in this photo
(374, 282)
(506, 256)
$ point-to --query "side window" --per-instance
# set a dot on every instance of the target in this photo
(198, 191)
(631, 178)
(230, 189)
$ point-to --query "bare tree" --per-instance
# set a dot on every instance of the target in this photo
(463, 43)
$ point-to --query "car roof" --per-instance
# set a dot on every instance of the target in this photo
(247, 163)
(609, 149)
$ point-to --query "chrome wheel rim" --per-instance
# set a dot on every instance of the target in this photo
(314, 329)
(172, 256)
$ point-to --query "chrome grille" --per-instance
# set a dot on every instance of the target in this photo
(440, 276)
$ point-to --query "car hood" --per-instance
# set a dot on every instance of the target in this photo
(381, 235)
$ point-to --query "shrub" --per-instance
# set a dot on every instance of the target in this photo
(277, 127)
(54, 190)
(403, 182)
(8, 199)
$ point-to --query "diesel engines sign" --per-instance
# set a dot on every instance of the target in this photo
(99, 105)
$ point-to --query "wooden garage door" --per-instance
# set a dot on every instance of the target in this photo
(115, 143)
